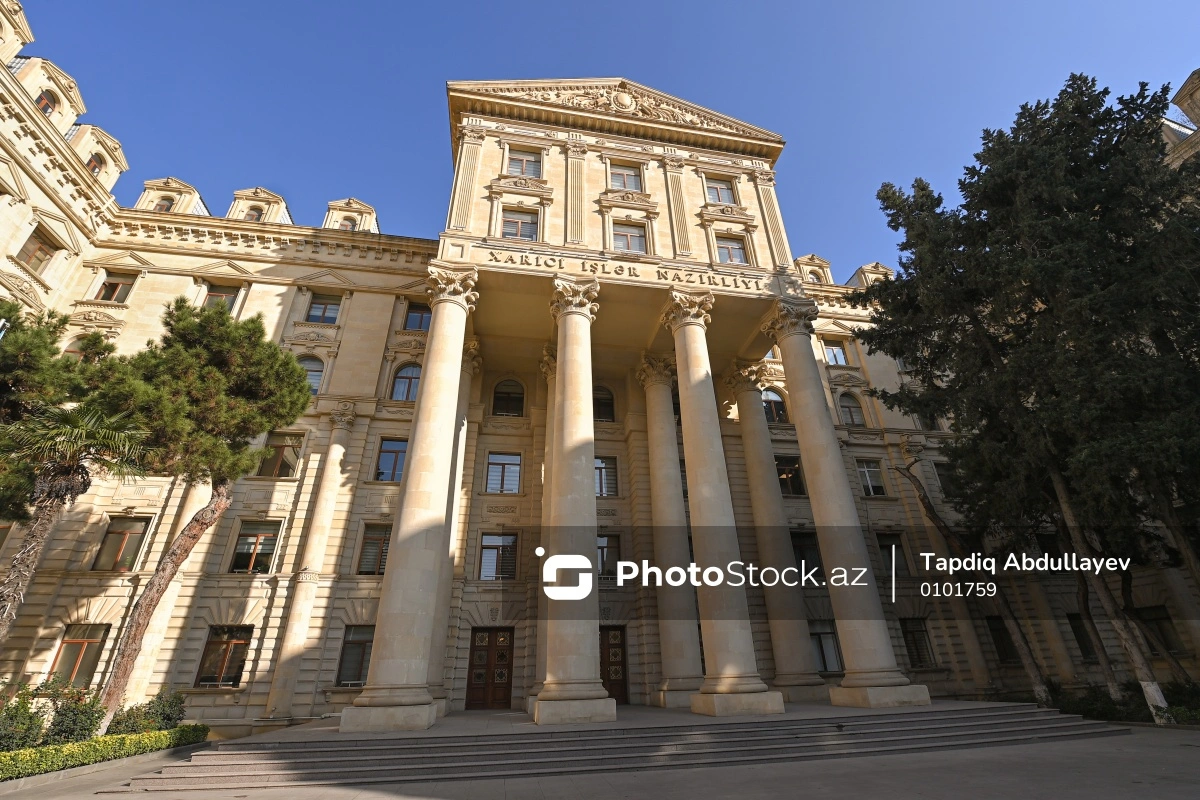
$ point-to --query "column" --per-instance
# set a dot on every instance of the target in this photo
(795, 672)
(731, 682)
(549, 367)
(764, 182)
(572, 691)
(873, 680)
(397, 696)
(678, 633)
(576, 170)
(470, 143)
(680, 222)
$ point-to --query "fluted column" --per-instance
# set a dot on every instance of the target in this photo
(678, 635)
(873, 678)
(572, 691)
(795, 673)
(397, 696)
(731, 681)
(549, 367)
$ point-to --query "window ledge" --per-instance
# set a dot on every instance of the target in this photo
(379, 483)
(501, 494)
(931, 671)
(213, 690)
(100, 304)
(887, 497)
(29, 273)
(264, 478)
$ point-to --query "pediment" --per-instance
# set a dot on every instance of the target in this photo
(812, 260)
(65, 84)
(16, 17)
(258, 193)
(224, 267)
(173, 184)
(125, 258)
(10, 180)
(58, 228)
(351, 204)
(327, 276)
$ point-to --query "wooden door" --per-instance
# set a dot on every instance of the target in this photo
(489, 680)
(613, 670)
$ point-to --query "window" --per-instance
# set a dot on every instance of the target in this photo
(1048, 544)
(390, 466)
(324, 308)
(253, 214)
(74, 350)
(47, 101)
(347, 224)
(886, 542)
(314, 369)
(675, 404)
(851, 411)
(823, 635)
(116, 287)
(418, 317)
(95, 164)
(519, 225)
(835, 352)
(356, 655)
(606, 476)
(79, 653)
(36, 251)
(629, 238)
(405, 382)
(1157, 619)
(524, 162)
(928, 423)
(503, 473)
(730, 250)
(625, 176)
(719, 191)
(1006, 651)
(1086, 651)
(608, 553)
(508, 399)
(221, 294)
(871, 474)
(372, 559)
(255, 548)
(224, 656)
(916, 642)
(121, 544)
(945, 476)
(164, 204)
(774, 407)
(815, 277)
(791, 478)
(604, 408)
(808, 552)
(498, 559)
(283, 457)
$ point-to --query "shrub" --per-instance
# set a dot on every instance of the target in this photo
(163, 711)
(38, 760)
(77, 712)
(21, 722)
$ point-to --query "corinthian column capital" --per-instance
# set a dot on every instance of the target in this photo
(549, 363)
(571, 297)
(789, 317)
(343, 417)
(745, 378)
(687, 308)
(452, 285)
(656, 369)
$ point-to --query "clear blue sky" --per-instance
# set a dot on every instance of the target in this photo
(324, 100)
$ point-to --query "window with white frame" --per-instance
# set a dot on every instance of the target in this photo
(629, 237)
(255, 547)
(79, 653)
(606, 476)
(870, 473)
(835, 352)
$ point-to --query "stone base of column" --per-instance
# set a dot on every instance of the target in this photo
(529, 701)
(671, 698)
(382, 719)
(737, 705)
(441, 705)
(879, 696)
(561, 712)
(804, 694)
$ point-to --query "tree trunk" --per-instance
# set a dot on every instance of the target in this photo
(1152, 638)
(1041, 691)
(1083, 600)
(25, 563)
(130, 644)
(1126, 633)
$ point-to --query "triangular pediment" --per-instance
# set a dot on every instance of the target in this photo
(65, 84)
(10, 180)
(224, 267)
(16, 17)
(350, 204)
(58, 227)
(812, 260)
(258, 193)
(125, 258)
(174, 184)
(327, 276)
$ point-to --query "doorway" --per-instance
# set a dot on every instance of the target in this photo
(489, 681)
(613, 672)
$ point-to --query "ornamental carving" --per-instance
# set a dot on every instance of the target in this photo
(673, 162)
(910, 447)
(686, 308)
(575, 298)
(656, 369)
(474, 135)
(472, 362)
(764, 177)
(746, 378)
(788, 317)
(549, 362)
(344, 417)
(576, 149)
(452, 285)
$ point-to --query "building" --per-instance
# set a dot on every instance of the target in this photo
(605, 353)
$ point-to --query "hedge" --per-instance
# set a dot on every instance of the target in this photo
(38, 760)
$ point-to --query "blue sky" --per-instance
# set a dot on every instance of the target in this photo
(320, 100)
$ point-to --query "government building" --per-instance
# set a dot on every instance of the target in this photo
(611, 351)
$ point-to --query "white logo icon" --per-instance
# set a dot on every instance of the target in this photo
(567, 561)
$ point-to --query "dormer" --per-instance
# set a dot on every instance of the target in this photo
(259, 205)
(54, 92)
(171, 195)
(813, 269)
(101, 154)
(867, 274)
(351, 215)
(1187, 99)
(14, 31)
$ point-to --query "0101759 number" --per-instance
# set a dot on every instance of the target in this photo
(955, 589)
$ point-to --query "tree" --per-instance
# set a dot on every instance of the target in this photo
(1053, 318)
(206, 392)
(66, 448)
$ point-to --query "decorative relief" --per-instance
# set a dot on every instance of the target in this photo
(452, 285)
(549, 362)
(764, 177)
(471, 134)
(501, 509)
(609, 429)
(656, 369)
(343, 417)
(845, 378)
(472, 362)
(517, 184)
(788, 317)
(606, 512)
(101, 321)
(686, 308)
(571, 297)
(624, 198)
(576, 149)
(712, 213)
(910, 446)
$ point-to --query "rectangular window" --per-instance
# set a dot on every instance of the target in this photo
(629, 238)
(1159, 620)
(626, 177)
(823, 635)
(79, 653)
(519, 225)
(524, 162)
(503, 473)
(719, 191)
(791, 477)
(606, 476)
(730, 250)
(255, 547)
(36, 252)
(390, 466)
(916, 642)
(1006, 651)
(224, 656)
(608, 553)
(372, 559)
(808, 553)
(1079, 630)
(945, 476)
(115, 288)
(498, 559)
(217, 294)
(886, 542)
(122, 543)
(324, 309)
(283, 456)
(835, 352)
(871, 475)
(417, 317)
(356, 655)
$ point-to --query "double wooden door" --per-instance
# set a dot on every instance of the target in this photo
(489, 681)
(613, 671)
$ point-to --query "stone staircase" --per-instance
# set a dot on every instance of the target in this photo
(358, 759)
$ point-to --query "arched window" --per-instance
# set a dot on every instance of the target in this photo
(404, 385)
(47, 101)
(314, 368)
(604, 408)
(164, 204)
(95, 164)
(773, 405)
(815, 277)
(348, 224)
(508, 399)
(253, 214)
(851, 411)
(74, 350)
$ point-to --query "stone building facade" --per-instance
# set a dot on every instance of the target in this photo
(610, 351)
